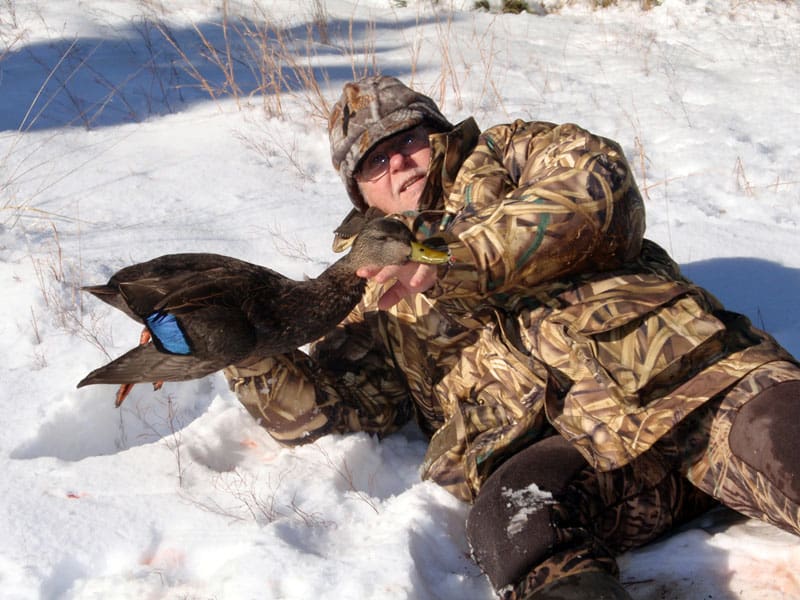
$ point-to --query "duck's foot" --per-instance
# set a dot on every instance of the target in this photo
(125, 388)
(144, 337)
(122, 393)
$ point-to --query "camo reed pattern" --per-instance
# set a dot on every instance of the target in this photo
(513, 340)
(640, 369)
(624, 508)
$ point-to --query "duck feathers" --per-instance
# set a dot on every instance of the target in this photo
(206, 311)
(146, 364)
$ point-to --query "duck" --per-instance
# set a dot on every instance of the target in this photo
(203, 312)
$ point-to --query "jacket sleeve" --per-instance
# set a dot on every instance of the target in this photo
(534, 202)
(346, 383)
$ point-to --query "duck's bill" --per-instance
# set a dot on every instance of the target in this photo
(422, 253)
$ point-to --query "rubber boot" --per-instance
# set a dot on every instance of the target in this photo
(587, 585)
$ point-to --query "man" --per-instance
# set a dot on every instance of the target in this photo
(582, 394)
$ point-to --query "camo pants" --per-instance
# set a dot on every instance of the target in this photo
(546, 513)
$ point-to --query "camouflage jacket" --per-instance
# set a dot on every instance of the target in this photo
(554, 316)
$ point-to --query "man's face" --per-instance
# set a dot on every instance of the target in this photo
(392, 175)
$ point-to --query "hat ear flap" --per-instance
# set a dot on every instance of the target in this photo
(345, 119)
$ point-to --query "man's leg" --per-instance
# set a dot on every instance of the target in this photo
(546, 525)
(514, 522)
(751, 461)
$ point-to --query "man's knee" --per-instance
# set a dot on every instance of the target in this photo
(510, 527)
(766, 435)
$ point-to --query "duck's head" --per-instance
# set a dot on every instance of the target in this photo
(388, 241)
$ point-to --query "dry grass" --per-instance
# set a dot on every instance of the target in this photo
(342, 470)
(742, 181)
(8, 17)
(253, 57)
(248, 498)
(62, 301)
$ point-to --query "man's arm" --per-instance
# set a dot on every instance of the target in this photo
(347, 383)
(535, 202)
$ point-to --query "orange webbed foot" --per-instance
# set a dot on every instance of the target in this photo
(126, 388)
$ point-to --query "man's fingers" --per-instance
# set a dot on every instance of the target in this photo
(367, 272)
(380, 274)
(388, 273)
(395, 293)
(409, 279)
(423, 278)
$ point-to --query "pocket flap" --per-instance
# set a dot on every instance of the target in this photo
(610, 309)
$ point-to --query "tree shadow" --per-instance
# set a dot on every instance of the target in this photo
(764, 291)
(151, 69)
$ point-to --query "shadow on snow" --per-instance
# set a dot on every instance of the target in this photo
(764, 291)
(149, 69)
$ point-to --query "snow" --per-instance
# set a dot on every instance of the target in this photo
(110, 153)
(526, 501)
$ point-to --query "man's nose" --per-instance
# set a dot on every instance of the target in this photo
(397, 160)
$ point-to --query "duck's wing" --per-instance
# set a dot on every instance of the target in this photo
(225, 286)
(215, 332)
(185, 291)
(138, 289)
(147, 364)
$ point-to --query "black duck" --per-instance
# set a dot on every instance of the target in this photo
(204, 312)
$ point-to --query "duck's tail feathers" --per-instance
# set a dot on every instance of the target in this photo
(105, 292)
(145, 364)
(111, 295)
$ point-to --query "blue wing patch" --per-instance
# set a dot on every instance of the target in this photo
(167, 333)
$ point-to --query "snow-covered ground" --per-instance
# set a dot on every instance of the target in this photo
(110, 153)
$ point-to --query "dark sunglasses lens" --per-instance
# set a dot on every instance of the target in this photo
(374, 166)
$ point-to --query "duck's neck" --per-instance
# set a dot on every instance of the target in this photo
(332, 295)
(341, 276)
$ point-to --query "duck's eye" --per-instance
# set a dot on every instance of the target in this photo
(385, 237)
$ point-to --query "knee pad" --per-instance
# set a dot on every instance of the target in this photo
(766, 435)
(510, 527)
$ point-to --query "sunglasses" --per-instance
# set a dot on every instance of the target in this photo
(376, 163)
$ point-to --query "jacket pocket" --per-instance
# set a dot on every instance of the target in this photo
(645, 339)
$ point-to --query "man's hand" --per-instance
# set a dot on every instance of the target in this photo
(412, 278)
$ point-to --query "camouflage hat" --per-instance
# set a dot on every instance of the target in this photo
(369, 111)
